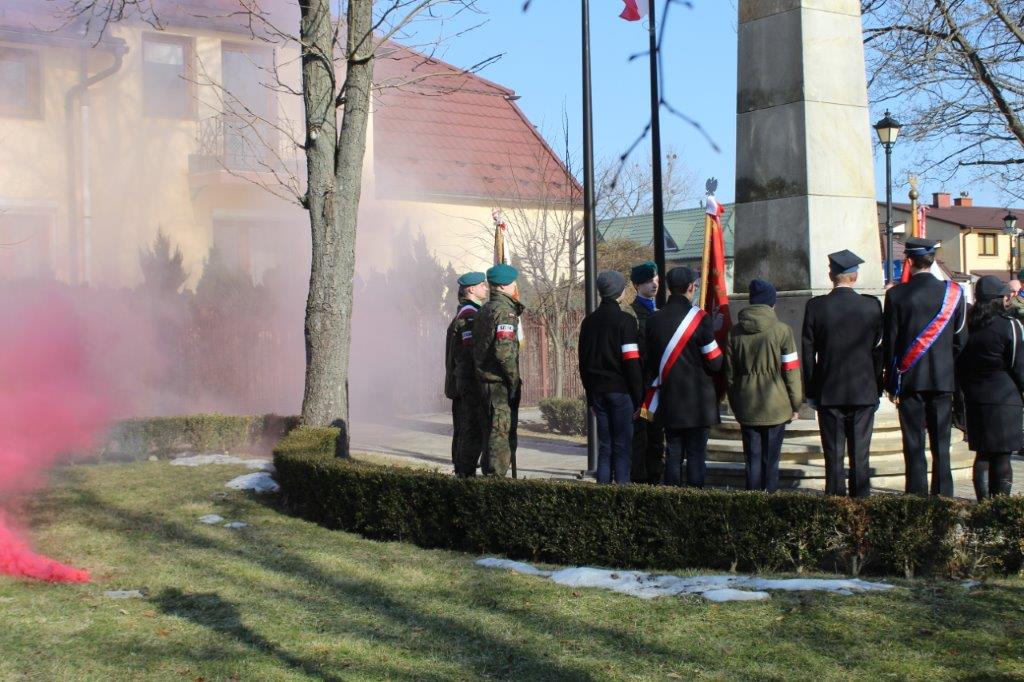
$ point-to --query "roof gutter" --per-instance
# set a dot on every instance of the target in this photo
(80, 217)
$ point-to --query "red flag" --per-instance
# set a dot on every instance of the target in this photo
(635, 10)
(920, 230)
(716, 300)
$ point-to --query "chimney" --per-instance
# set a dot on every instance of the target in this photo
(964, 200)
(940, 200)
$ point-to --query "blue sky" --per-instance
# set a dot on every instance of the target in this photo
(541, 62)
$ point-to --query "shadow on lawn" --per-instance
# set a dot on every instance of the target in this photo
(210, 610)
(496, 650)
(471, 647)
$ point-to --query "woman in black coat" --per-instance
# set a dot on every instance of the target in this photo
(991, 370)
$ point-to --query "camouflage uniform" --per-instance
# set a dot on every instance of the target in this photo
(648, 436)
(462, 387)
(1017, 307)
(496, 356)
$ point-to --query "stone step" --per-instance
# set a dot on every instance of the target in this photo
(730, 428)
(791, 475)
(803, 448)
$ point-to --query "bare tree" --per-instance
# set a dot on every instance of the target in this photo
(626, 189)
(956, 70)
(338, 49)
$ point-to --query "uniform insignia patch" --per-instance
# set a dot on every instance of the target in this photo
(505, 332)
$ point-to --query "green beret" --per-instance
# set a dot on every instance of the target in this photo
(471, 279)
(644, 272)
(502, 274)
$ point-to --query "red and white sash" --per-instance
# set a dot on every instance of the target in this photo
(673, 350)
(928, 336)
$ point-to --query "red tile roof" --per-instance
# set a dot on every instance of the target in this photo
(440, 132)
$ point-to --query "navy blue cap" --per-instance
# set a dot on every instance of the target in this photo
(762, 292)
(916, 246)
(844, 262)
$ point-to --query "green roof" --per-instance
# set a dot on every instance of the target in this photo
(684, 231)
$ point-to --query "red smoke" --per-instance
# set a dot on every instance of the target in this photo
(49, 408)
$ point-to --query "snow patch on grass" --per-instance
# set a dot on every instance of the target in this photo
(260, 482)
(716, 588)
(203, 460)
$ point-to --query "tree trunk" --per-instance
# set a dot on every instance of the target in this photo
(334, 164)
(558, 346)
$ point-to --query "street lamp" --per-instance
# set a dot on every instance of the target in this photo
(1010, 228)
(887, 130)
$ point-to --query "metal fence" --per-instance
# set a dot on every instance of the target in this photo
(538, 364)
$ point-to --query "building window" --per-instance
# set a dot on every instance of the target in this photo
(167, 72)
(988, 245)
(25, 244)
(20, 84)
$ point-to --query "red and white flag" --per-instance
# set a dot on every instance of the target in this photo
(635, 9)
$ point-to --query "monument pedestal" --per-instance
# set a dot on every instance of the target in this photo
(803, 460)
(805, 188)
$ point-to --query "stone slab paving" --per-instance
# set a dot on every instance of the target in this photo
(426, 440)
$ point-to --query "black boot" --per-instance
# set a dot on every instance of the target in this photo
(981, 477)
(1000, 474)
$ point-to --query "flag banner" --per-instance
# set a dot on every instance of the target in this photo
(635, 10)
(715, 301)
(501, 255)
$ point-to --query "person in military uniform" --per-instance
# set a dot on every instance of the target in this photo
(842, 372)
(924, 330)
(460, 383)
(991, 370)
(496, 357)
(648, 436)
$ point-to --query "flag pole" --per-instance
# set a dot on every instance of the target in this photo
(656, 188)
(709, 225)
(589, 226)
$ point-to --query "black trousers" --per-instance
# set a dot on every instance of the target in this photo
(930, 411)
(847, 431)
(691, 445)
(648, 452)
(993, 474)
(762, 449)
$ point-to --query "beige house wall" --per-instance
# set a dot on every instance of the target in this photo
(140, 181)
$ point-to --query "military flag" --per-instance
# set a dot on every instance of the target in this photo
(714, 294)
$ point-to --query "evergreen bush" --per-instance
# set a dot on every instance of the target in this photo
(640, 526)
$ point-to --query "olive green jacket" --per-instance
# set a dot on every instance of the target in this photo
(496, 341)
(460, 372)
(762, 369)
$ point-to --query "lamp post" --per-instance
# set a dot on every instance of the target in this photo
(1010, 228)
(887, 130)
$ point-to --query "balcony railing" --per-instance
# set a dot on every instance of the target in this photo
(231, 143)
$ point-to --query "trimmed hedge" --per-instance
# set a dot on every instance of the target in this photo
(565, 415)
(164, 436)
(646, 526)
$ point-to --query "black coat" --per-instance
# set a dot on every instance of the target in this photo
(991, 371)
(908, 310)
(609, 353)
(842, 349)
(688, 398)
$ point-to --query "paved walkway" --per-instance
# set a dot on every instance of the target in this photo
(426, 440)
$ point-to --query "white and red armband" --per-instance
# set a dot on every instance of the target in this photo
(630, 351)
(505, 332)
(711, 351)
(790, 361)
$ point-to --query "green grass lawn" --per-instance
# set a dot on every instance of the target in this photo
(285, 599)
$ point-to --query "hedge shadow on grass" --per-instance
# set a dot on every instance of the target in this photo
(649, 527)
(448, 631)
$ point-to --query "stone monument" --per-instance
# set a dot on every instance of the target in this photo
(805, 187)
(804, 168)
